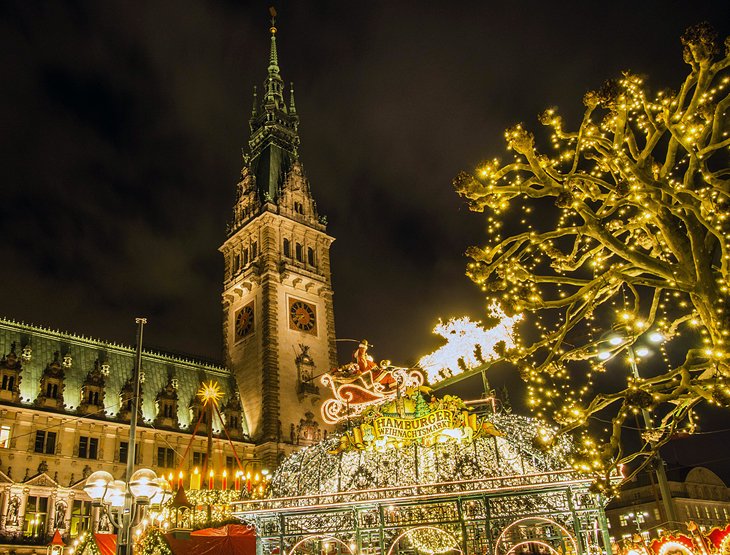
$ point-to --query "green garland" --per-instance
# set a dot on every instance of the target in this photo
(87, 546)
(154, 543)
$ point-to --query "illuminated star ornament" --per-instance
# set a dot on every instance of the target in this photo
(210, 392)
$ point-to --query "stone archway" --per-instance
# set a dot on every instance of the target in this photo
(447, 537)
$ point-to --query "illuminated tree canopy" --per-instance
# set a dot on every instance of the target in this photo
(637, 250)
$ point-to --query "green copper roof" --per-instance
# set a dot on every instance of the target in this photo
(84, 352)
(274, 143)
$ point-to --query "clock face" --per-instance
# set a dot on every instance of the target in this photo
(244, 321)
(302, 316)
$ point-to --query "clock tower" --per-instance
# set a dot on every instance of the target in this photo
(278, 316)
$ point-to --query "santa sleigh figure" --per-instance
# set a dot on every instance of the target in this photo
(362, 383)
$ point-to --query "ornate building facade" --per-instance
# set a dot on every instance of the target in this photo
(65, 400)
(278, 316)
(698, 495)
(65, 412)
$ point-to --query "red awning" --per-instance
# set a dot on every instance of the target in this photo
(107, 543)
(231, 539)
(57, 539)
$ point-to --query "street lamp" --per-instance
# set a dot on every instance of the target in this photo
(619, 342)
(124, 501)
(110, 494)
(638, 518)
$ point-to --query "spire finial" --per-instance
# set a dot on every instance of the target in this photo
(273, 57)
(272, 11)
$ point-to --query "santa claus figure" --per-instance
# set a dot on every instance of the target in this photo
(365, 363)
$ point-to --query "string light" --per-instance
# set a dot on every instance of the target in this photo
(639, 244)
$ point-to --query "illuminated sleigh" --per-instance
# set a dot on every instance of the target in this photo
(354, 391)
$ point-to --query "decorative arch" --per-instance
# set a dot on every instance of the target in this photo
(675, 546)
(562, 528)
(457, 547)
(552, 550)
(321, 537)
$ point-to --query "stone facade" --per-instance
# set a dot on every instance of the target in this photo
(278, 315)
(698, 494)
(65, 400)
(52, 439)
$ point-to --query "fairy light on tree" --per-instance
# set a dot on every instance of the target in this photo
(640, 246)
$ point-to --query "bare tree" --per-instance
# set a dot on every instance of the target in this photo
(637, 249)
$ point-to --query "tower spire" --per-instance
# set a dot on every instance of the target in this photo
(274, 142)
(274, 84)
(273, 56)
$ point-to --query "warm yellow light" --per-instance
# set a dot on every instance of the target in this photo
(464, 338)
(210, 392)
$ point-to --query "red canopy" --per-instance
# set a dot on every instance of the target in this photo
(57, 539)
(107, 543)
(231, 539)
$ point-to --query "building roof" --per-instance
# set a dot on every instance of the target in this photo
(36, 347)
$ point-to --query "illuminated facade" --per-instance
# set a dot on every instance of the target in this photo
(64, 412)
(698, 495)
(278, 316)
(65, 400)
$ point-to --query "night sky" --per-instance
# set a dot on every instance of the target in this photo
(123, 122)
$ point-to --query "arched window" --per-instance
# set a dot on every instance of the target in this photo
(287, 247)
(299, 254)
(310, 256)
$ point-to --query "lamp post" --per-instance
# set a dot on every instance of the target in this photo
(144, 488)
(123, 499)
(621, 342)
(639, 519)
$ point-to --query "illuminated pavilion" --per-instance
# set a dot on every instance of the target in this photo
(413, 475)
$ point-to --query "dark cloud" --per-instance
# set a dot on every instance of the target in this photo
(122, 125)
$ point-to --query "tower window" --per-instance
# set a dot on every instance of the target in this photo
(52, 391)
(254, 250)
(299, 254)
(8, 382)
(310, 256)
(298, 207)
(236, 263)
(287, 251)
(93, 398)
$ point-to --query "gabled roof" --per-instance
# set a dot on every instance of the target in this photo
(41, 479)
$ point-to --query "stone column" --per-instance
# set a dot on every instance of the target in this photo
(4, 506)
(51, 515)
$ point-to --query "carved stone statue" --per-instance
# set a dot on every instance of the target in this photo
(13, 511)
(59, 523)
